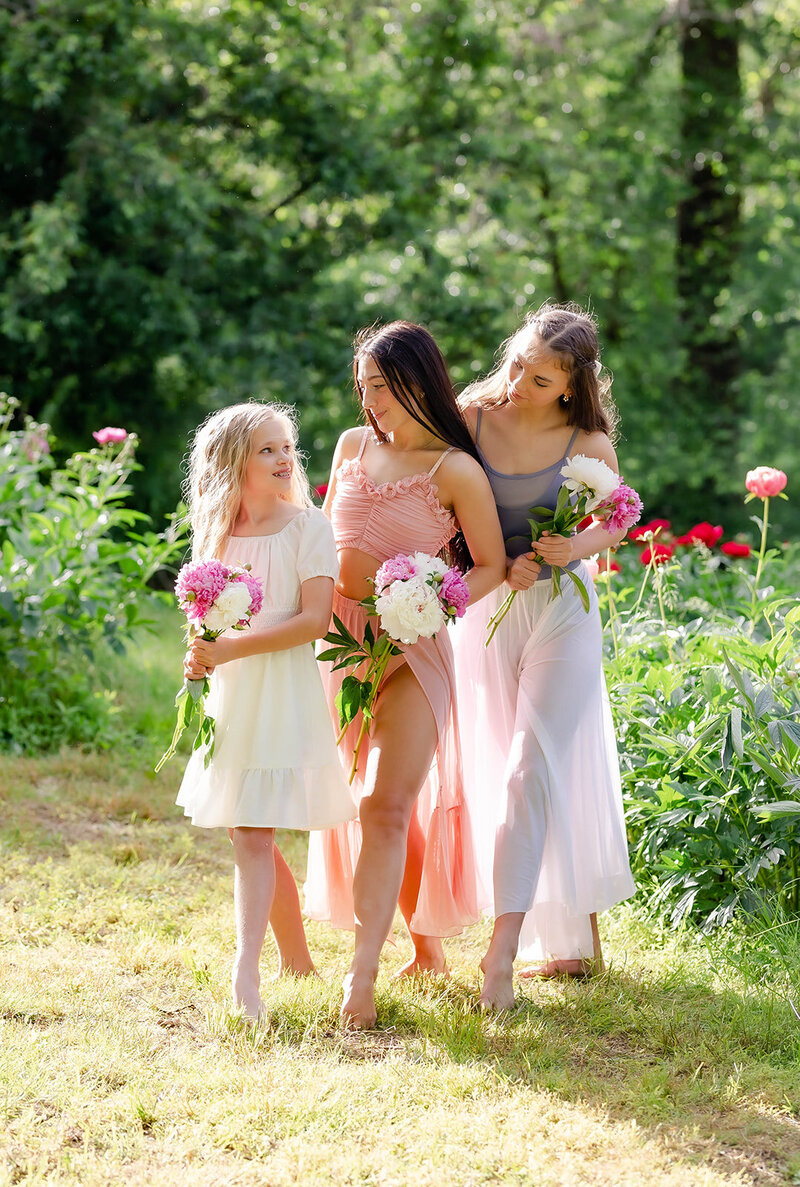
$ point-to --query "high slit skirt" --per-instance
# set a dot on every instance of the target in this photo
(541, 768)
(447, 899)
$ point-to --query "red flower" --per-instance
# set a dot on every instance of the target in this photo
(321, 490)
(734, 548)
(659, 553)
(586, 523)
(614, 567)
(641, 530)
(705, 532)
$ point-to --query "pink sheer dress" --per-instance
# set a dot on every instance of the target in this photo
(382, 520)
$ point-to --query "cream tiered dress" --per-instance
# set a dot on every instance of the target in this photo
(275, 763)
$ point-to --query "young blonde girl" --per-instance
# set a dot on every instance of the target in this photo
(274, 763)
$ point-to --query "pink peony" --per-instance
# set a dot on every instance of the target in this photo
(110, 436)
(454, 592)
(765, 481)
(197, 587)
(704, 532)
(625, 506)
(398, 568)
(659, 554)
(734, 548)
(592, 567)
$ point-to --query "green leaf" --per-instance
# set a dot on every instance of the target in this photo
(736, 731)
(779, 808)
(349, 699)
(581, 589)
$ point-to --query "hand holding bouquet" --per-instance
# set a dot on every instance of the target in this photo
(590, 487)
(214, 597)
(414, 597)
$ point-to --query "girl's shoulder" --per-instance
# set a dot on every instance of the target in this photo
(350, 442)
(595, 445)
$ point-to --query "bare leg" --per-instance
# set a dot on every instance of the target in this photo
(571, 968)
(498, 963)
(428, 951)
(401, 749)
(286, 921)
(253, 890)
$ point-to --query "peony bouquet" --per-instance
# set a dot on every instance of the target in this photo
(414, 597)
(590, 487)
(215, 598)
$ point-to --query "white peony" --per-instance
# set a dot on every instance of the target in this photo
(230, 607)
(582, 471)
(429, 566)
(410, 609)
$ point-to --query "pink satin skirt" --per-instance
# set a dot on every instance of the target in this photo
(447, 898)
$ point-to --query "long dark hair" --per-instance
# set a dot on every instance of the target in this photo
(416, 374)
(570, 333)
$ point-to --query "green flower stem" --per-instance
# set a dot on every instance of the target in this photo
(377, 671)
(612, 613)
(499, 615)
(762, 550)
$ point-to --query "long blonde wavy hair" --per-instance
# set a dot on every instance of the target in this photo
(220, 452)
(570, 333)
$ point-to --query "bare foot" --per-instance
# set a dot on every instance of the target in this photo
(246, 996)
(358, 1005)
(418, 966)
(560, 968)
(292, 969)
(498, 984)
(428, 958)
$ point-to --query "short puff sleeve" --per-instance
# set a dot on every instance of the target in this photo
(316, 555)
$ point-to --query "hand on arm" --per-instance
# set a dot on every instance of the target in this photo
(311, 622)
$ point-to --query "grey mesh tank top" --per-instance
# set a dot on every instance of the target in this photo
(515, 494)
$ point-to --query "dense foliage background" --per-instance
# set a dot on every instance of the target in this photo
(204, 201)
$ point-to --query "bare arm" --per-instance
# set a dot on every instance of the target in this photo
(311, 622)
(474, 508)
(347, 447)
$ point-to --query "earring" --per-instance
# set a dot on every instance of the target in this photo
(566, 397)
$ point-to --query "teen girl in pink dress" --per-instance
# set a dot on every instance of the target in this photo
(408, 482)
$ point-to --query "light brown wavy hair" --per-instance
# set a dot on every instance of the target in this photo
(570, 333)
(221, 449)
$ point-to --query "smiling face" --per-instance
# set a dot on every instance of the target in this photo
(376, 396)
(272, 459)
(535, 376)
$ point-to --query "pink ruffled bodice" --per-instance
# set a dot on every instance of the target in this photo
(387, 518)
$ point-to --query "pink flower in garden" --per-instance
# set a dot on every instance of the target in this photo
(765, 481)
(35, 446)
(653, 526)
(110, 436)
(198, 586)
(454, 592)
(704, 532)
(659, 554)
(398, 568)
(735, 548)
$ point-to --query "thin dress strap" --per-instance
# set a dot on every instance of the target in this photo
(439, 461)
(478, 424)
(363, 442)
(572, 441)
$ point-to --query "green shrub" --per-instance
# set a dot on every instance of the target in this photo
(73, 583)
(703, 666)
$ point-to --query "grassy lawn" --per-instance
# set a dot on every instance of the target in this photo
(120, 1061)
